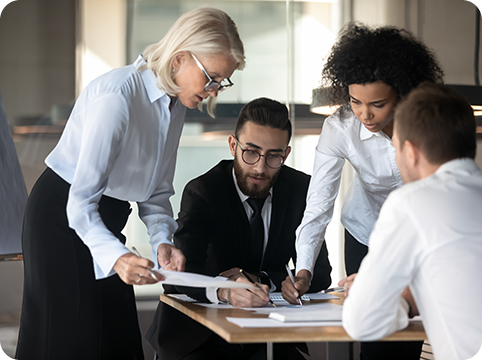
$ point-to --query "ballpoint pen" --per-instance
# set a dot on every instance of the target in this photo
(134, 250)
(293, 281)
(333, 289)
(252, 282)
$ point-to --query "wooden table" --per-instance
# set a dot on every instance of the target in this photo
(215, 320)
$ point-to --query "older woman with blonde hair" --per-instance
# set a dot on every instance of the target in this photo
(119, 145)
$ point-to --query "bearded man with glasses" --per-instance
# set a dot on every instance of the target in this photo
(241, 214)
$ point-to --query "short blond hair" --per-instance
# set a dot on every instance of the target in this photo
(204, 32)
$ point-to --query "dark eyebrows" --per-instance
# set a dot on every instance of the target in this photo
(270, 150)
(373, 102)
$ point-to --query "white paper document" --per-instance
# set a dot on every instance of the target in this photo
(322, 296)
(182, 297)
(314, 313)
(270, 323)
(198, 280)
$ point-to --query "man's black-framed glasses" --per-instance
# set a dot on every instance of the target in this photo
(251, 157)
(213, 85)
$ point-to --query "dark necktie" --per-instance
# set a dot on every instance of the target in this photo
(257, 234)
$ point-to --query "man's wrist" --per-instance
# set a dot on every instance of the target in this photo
(222, 294)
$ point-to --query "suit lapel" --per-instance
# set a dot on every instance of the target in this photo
(240, 215)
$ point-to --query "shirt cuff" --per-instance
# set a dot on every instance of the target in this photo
(404, 306)
(306, 259)
(212, 293)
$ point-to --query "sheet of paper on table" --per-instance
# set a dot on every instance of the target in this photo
(270, 323)
(268, 308)
(182, 297)
(198, 280)
(310, 313)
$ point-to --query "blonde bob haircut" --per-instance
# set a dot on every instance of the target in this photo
(203, 32)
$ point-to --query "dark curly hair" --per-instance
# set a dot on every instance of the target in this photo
(364, 54)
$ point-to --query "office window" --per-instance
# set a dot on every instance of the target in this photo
(284, 45)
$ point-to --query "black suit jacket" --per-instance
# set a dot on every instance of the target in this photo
(214, 235)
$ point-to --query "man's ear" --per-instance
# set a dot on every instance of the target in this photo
(232, 144)
(288, 151)
(413, 153)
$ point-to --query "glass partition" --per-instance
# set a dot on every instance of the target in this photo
(285, 43)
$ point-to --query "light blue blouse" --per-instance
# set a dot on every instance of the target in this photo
(121, 140)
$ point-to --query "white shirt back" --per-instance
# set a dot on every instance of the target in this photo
(428, 236)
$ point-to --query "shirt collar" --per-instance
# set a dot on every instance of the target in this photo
(366, 134)
(150, 80)
(241, 194)
(458, 165)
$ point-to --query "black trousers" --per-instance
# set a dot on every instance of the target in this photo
(67, 313)
(377, 350)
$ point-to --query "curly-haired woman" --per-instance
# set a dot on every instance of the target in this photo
(368, 70)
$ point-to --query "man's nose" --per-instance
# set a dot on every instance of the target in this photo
(260, 166)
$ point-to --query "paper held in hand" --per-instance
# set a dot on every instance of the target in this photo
(197, 280)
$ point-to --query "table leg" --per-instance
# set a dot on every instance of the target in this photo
(269, 347)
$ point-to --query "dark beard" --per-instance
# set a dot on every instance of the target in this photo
(255, 191)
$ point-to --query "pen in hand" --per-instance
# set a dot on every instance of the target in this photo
(293, 281)
(134, 250)
(252, 282)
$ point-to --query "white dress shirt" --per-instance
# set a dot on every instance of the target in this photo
(121, 140)
(428, 237)
(373, 158)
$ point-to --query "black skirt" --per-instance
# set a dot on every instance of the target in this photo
(67, 313)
